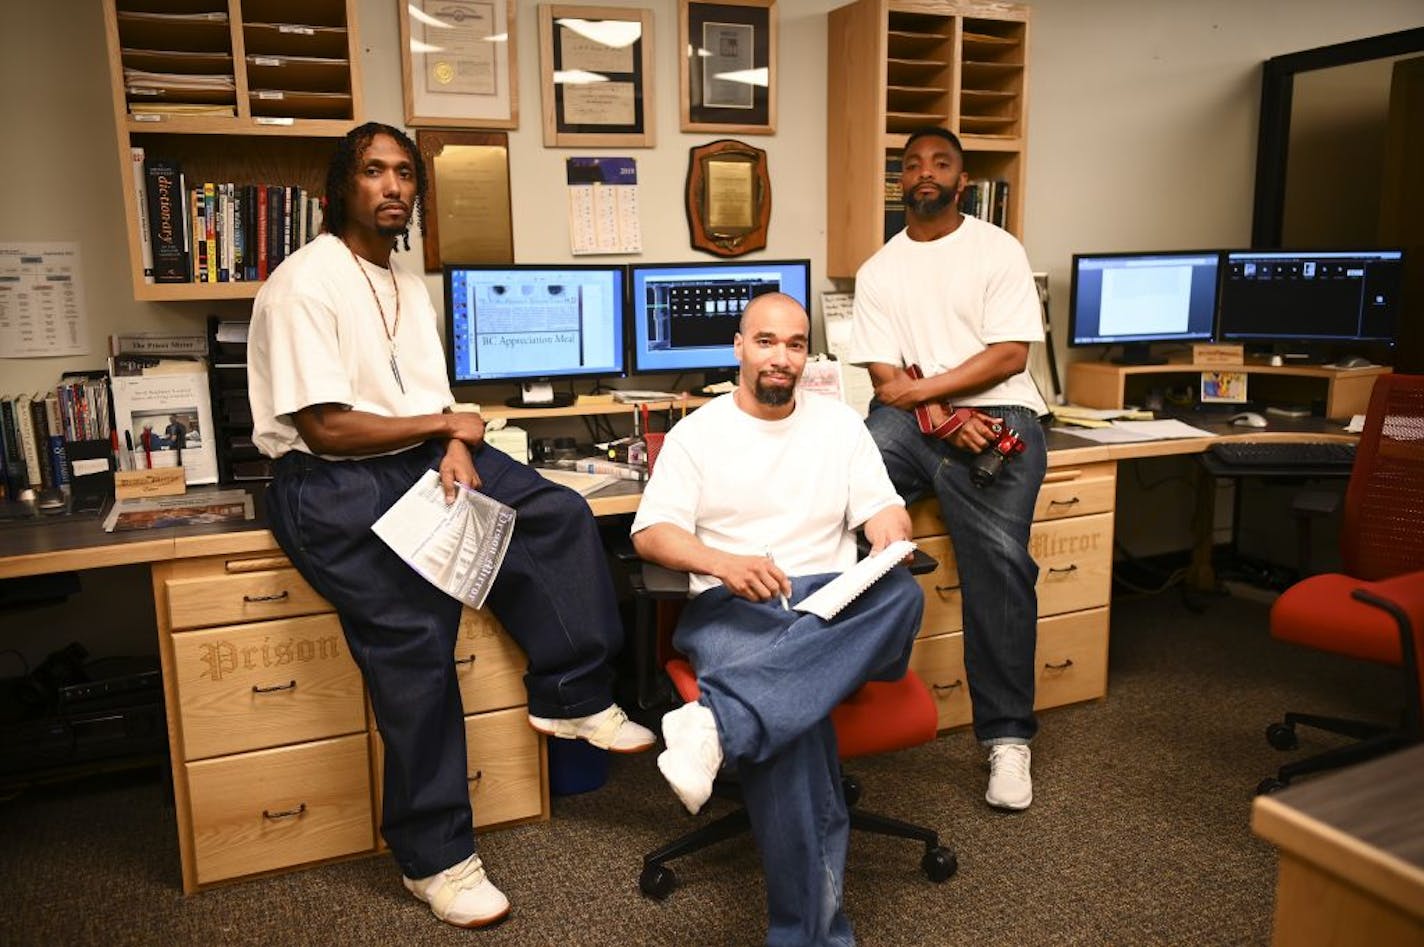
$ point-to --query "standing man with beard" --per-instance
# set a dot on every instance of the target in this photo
(348, 390)
(955, 296)
(758, 495)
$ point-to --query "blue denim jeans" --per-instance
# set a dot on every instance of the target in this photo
(553, 595)
(771, 678)
(989, 527)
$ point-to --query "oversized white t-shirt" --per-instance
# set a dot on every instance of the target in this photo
(935, 303)
(317, 338)
(795, 487)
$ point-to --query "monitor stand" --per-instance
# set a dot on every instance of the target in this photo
(539, 394)
(1138, 353)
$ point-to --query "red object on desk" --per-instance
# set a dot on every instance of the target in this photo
(147, 438)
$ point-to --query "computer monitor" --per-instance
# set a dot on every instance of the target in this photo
(531, 324)
(685, 315)
(1135, 299)
(1322, 297)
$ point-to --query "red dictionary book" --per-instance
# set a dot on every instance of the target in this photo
(261, 231)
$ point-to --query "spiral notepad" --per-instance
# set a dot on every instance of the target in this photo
(827, 601)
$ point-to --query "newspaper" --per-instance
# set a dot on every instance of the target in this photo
(457, 548)
(195, 508)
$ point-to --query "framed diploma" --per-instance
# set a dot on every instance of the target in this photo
(596, 75)
(727, 80)
(728, 198)
(457, 63)
(467, 210)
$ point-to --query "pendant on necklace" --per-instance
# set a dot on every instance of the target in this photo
(395, 370)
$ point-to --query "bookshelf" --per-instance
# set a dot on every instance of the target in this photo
(896, 65)
(285, 74)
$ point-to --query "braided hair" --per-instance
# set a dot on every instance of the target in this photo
(345, 163)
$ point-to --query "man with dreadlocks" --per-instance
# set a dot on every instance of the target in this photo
(348, 391)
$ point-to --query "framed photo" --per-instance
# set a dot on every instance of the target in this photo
(457, 63)
(728, 78)
(467, 216)
(596, 76)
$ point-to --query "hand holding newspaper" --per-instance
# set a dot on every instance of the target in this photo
(457, 548)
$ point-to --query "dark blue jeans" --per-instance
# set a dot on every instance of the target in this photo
(771, 678)
(553, 595)
(989, 527)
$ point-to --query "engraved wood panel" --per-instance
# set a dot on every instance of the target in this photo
(939, 661)
(1077, 491)
(1074, 559)
(279, 808)
(1071, 661)
(244, 687)
(489, 664)
(506, 770)
(943, 601)
(200, 601)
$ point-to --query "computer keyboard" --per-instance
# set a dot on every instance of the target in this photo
(1285, 454)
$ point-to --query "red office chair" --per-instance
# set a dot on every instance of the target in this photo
(879, 717)
(1375, 609)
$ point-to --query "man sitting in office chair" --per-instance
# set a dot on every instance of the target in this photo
(757, 496)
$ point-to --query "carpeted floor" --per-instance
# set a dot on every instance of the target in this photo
(1138, 833)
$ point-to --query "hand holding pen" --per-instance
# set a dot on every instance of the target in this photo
(785, 605)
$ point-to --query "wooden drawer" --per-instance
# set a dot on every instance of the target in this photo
(226, 598)
(1077, 491)
(925, 519)
(1072, 658)
(943, 602)
(1074, 559)
(490, 665)
(939, 661)
(279, 808)
(245, 687)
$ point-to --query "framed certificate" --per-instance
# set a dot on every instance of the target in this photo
(596, 71)
(457, 63)
(728, 198)
(727, 79)
(467, 216)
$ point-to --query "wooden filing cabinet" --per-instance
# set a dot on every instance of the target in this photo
(275, 757)
(1071, 540)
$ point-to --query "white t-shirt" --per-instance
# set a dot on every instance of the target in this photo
(935, 303)
(317, 338)
(795, 487)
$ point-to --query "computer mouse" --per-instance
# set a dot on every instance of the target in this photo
(1248, 419)
(1352, 361)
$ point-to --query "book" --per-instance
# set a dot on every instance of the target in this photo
(200, 507)
(145, 237)
(583, 484)
(167, 221)
(828, 601)
(29, 447)
(457, 547)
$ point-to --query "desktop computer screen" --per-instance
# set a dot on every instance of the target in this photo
(684, 315)
(510, 322)
(1134, 299)
(1310, 296)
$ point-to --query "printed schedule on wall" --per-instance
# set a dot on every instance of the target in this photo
(41, 301)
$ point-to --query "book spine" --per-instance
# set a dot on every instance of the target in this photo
(29, 447)
(194, 212)
(145, 238)
(39, 428)
(288, 195)
(239, 235)
(166, 212)
(54, 424)
(16, 477)
(262, 215)
(210, 224)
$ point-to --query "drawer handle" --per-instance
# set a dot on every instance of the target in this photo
(285, 813)
(1067, 663)
(479, 775)
(942, 688)
(1071, 567)
(1070, 502)
(274, 597)
(942, 589)
(469, 660)
(289, 686)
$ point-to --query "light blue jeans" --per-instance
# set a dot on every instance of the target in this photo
(771, 678)
(989, 528)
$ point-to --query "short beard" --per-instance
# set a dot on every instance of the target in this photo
(931, 206)
(773, 397)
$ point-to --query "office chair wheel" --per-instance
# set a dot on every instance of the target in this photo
(1269, 785)
(939, 864)
(657, 881)
(850, 788)
(1282, 736)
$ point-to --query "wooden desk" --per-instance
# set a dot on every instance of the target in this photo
(1351, 854)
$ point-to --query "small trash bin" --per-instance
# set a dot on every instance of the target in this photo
(575, 766)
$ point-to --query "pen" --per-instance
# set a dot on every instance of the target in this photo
(128, 443)
(785, 605)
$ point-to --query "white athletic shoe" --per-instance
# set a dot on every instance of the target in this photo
(609, 729)
(1010, 785)
(461, 895)
(693, 755)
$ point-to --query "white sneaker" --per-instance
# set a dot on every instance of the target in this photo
(1010, 785)
(461, 894)
(609, 729)
(693, 755)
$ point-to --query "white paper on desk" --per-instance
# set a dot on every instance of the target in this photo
(1102, 435)
(1163, 430)
(457, 548)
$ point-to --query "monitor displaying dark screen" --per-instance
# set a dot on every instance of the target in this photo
(1130, 298)
(1311, 296)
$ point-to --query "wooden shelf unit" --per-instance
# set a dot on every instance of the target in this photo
(897, 65)
(296, 86)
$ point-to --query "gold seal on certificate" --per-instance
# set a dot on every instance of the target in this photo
(444, 73)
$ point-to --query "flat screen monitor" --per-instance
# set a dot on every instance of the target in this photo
(533, 324)
(1135, 299)
(1311, 296)
(685, 315)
